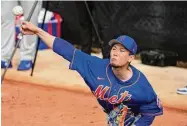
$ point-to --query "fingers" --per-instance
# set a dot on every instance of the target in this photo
(22, 31)
(25, 29)
(25, 32)
(24, 24)
(28, 28)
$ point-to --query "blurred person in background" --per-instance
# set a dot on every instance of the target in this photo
(28, 44)
(182, 91)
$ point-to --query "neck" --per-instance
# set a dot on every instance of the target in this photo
(123, 73)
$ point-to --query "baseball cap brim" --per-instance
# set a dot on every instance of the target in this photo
(114, 41)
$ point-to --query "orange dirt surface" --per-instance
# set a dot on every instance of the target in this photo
(33, 105)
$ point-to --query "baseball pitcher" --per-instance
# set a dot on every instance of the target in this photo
(123, 91)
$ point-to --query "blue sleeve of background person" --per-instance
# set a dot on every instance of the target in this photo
(63, 48)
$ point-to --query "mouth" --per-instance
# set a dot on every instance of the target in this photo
(113, 59)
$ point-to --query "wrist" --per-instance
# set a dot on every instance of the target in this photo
(38, 31)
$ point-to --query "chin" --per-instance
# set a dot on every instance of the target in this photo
(115, 65)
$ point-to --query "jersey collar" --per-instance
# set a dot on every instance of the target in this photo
(113, 79)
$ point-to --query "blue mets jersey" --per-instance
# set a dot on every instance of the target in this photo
(136, 93)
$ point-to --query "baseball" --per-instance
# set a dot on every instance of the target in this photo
(17, 10)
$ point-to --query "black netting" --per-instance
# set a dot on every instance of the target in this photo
(70, 27)
(154, 25)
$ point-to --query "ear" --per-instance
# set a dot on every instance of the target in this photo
(131, 58)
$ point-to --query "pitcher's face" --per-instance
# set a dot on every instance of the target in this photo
(120, 56)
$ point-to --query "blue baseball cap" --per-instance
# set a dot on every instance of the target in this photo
(127, 42)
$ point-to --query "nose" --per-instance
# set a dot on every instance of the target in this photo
(116, 53)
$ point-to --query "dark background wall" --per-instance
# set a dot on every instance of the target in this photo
(154, 25)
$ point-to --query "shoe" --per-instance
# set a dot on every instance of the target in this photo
(182, 91)
(25, 65)
(5, 64)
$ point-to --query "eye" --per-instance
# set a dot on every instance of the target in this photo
(122, 50)
(114, 48)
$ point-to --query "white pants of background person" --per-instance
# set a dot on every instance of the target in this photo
(28, 43)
